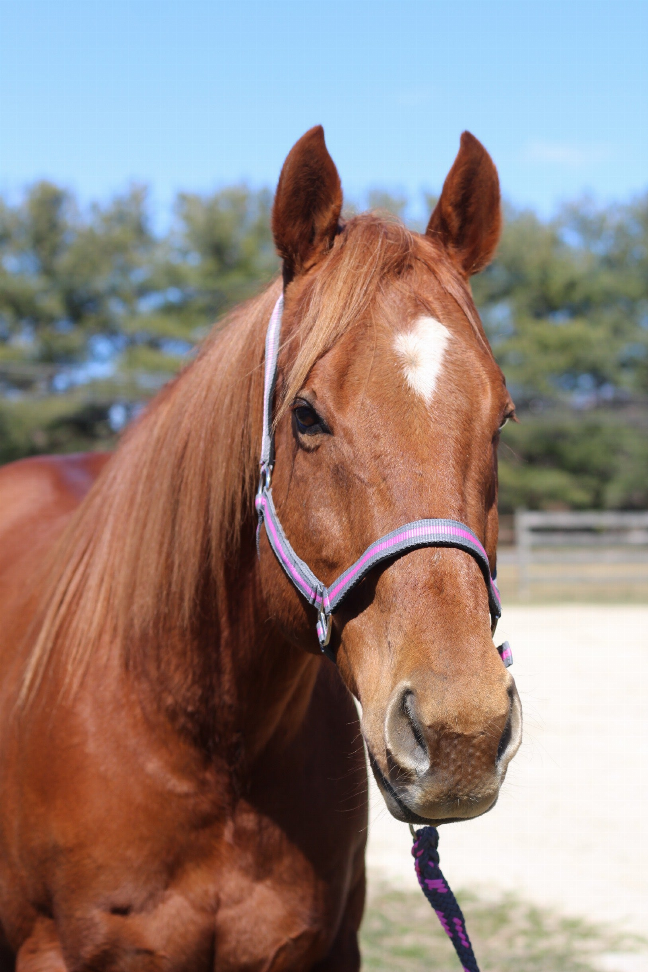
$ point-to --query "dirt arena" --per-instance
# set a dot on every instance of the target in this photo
(571, 826)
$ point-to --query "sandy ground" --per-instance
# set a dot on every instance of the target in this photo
(571, 825)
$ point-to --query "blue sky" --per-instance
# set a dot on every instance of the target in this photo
(193, 94)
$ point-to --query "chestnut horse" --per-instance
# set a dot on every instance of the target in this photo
(183, 773)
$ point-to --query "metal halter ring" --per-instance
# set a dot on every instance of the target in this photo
(265, 480)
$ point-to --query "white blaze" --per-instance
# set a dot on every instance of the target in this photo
(421, 353)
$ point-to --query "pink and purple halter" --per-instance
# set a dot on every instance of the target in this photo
(420, 533)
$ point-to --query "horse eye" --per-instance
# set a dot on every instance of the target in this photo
(505, 422)
(307, 419)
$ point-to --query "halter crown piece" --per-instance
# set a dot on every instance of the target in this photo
(420, 533)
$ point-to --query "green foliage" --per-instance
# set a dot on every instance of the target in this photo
(592, 460)
(219, 252)
(60, 423)
(565, 306)
(65, 276)
(97, 311)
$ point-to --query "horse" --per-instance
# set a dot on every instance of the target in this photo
(184, 780)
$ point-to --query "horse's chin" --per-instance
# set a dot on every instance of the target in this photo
(400, 806)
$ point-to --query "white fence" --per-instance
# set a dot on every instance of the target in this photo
(548, 540)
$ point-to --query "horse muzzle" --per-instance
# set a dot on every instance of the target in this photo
(436, 766)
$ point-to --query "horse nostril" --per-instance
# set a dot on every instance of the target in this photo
(404, 735)
(506, 738)
(410, 713)
(512, 735)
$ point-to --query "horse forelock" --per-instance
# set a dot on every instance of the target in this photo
(170, 508)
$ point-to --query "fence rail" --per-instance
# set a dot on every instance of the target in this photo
(579, 538)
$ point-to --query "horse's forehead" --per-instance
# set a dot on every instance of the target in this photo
(408, 349)
(420, 352)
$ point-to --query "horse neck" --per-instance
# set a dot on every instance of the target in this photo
(228, 672)
(234, 684)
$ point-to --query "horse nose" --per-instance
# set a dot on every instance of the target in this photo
(415, 746)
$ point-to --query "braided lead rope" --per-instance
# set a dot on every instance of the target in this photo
(436, 890)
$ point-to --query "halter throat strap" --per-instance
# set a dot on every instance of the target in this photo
(420, 533)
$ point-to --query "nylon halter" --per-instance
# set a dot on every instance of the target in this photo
(411, 536)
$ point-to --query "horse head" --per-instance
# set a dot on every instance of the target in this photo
(389, 405)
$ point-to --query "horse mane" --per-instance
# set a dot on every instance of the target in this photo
(173, 501)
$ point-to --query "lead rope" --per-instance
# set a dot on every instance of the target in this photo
(435, 888)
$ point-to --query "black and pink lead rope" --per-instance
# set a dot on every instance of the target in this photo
(436, 889)
(437, 532)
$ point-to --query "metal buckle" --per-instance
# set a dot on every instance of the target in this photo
(324, 624)
(264, 487)
(265, 480)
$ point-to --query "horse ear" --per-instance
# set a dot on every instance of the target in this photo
(467, 219)
(307, 204)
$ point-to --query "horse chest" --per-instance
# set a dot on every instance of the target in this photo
(279, 923)
(157, 857)
(260, 907)
(280, 898)
(257, 903)
(264, 889)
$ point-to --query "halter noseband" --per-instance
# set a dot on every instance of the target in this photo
(420, 533)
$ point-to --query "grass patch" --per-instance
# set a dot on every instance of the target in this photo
(400, 933)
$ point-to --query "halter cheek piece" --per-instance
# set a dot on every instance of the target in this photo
(420, 533)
